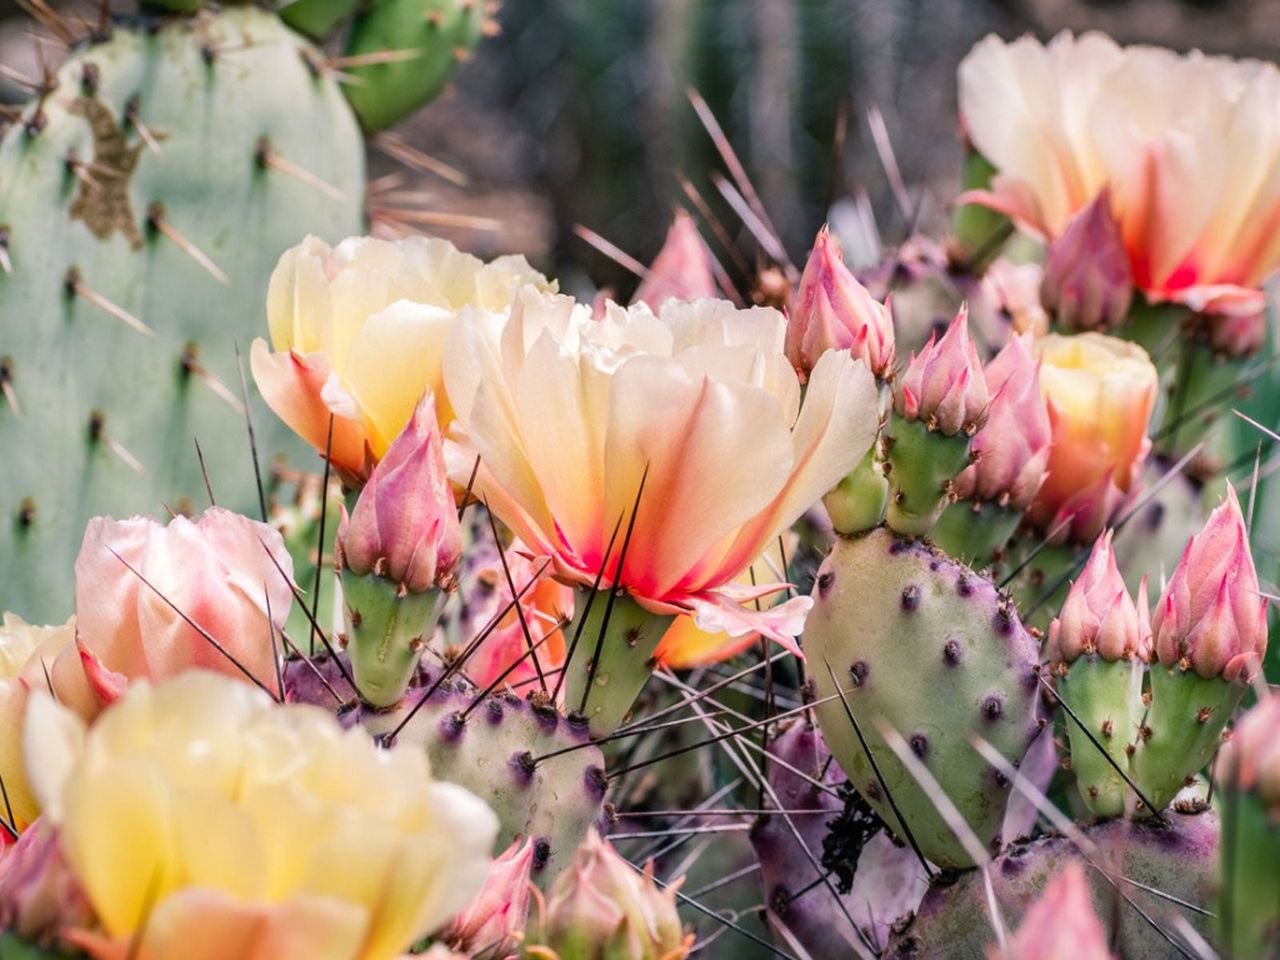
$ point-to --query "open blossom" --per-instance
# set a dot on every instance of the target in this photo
(1013, 447)
(831, 310)
(944, 384)
(1098, 616)
(1087, 284)
(231, 826)
(358, 332)
(218, 572)
(1060, 925)
(404, 526)
(1211, 616)
(570, 416)
(1187, 145)
(33, 658)
(1100, 393)
(682, 268)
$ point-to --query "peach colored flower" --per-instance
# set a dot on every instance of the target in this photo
(1100, 392)
(569, 415)
(1187, 144)
(358, 332)
(215, 571)
(225, 825)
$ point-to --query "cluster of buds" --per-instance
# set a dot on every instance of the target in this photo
(939, 404)
(831, 310)
(398, 552)
(1010, 454)
(603, 908)
(1099, 617)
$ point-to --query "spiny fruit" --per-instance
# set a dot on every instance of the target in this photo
(921, 644)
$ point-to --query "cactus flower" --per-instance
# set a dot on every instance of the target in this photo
(492, 925)
(1014, 288)
(1100, 392)
(944, 386)
(682, 268)
(831, 310)
(212, 823)
(404, 526)
(1098, 616)
(218, 572)
(1013, 447)
(1087, 284)
(1061, 121)
(1211, 617)
(1250, 759)
(1060, 925)
(570, 416)
(602, 908)
(358, 332)
(32, 658)
(39, 895)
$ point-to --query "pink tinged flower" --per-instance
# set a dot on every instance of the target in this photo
(147, 595)
(492, 926)
(404, 526)
(944, 384)
(682, 268)
(39, 893)
(1012, 449)
(1015, 289)
(1098, 616)
(831, 310)
(1060, 925)
(571, 414)
(1187, 145)
(1087, 283)
(1211, 617)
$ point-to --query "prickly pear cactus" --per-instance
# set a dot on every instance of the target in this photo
(1175, 856)
(506, 751)
(143, 204)
(922, 644)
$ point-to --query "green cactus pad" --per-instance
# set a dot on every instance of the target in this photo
(99, 417)
(922, 464)
(1106, 697)
(858, 502)
(1248, 904)
(386, 634)
(437, 32)
(492, 752)
(976, 532)
(1176, 858)
(925, 644)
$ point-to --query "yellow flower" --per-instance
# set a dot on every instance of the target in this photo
(27, 655)
(358, 332)
(223, 825)
(1100, 391)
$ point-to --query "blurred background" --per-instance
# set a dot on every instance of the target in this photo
(576, 112)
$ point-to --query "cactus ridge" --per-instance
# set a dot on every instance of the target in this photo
(936, 651)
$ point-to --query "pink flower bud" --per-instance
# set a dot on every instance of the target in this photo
(1013, 448)
(601, 907)
(833, 311)
(491, 926)
(1250, 760)
(1087, 284)
(682, 268)
(405, 525)
(39, 895)
(1060, 925)
(1211, 617)
(1098, 616)
(944, 384)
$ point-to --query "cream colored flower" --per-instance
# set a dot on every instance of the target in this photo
(569, 415)
(1188, 144)
(358, 332)
(224, 825)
